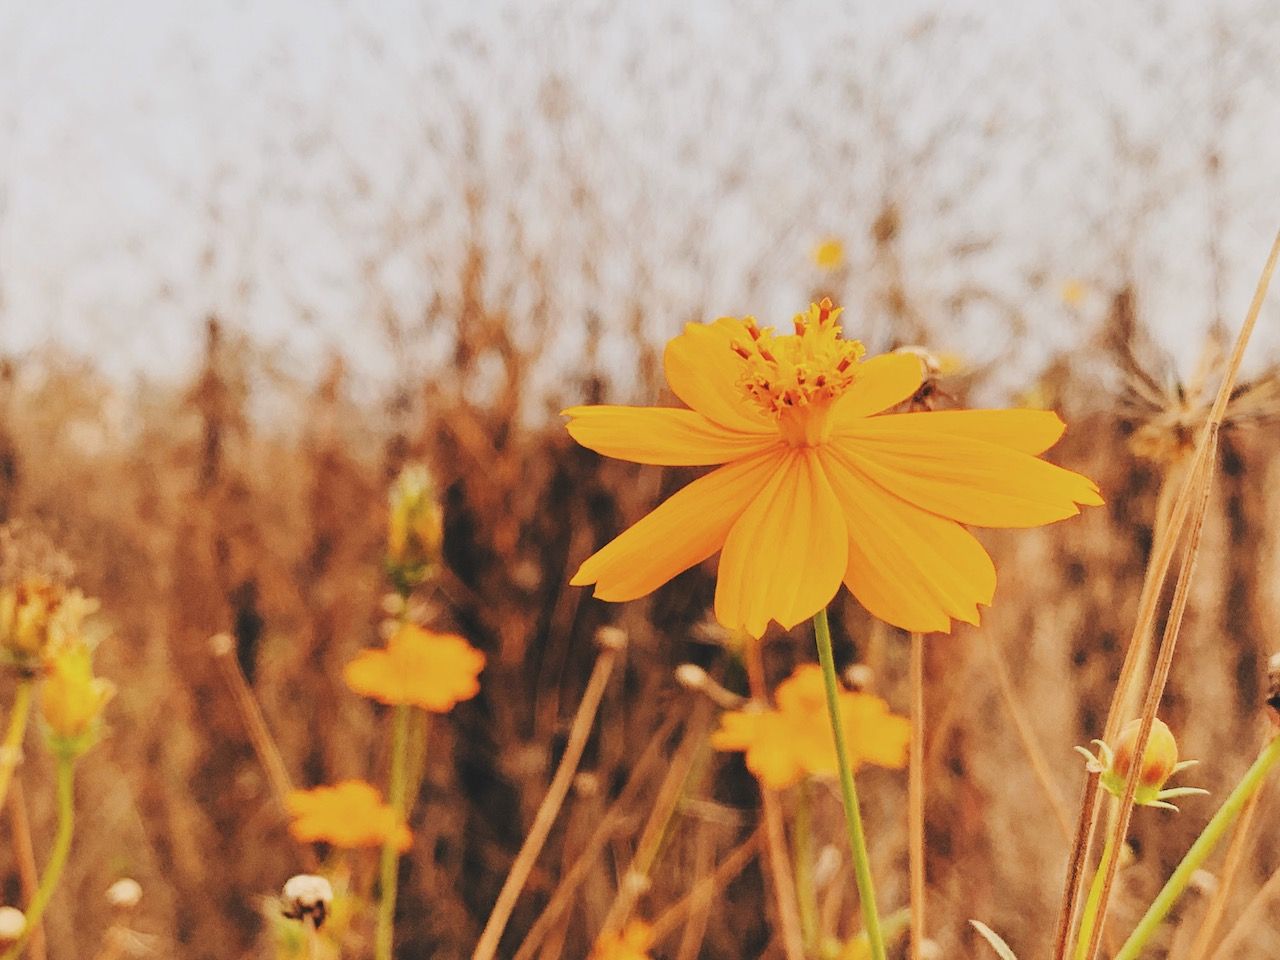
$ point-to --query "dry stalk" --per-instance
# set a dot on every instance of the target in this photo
(1035, 756)
(1254, 912)
(915, 798)
(777, 856)
(729, 868)
(701, 899)
(1161, 559)
(487, 947)
(25, 855)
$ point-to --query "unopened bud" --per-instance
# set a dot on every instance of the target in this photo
(12, 924)
(612, 638)
(124, 894)
(306, 897)
(415, 528)
(691, 676)
(1158, 760)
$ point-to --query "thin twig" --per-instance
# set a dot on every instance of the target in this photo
(777, 859)
(915, 798)
(24, 853)
(545, 817)
(729, 868)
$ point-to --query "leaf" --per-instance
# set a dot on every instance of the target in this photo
(997, 944)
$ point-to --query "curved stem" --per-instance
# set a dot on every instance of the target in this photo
(852, 812)
(11, 748)
(57, 857)
(390, 864)
(1213, 832)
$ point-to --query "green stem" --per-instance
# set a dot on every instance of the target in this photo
(1089, 916)
(852, 813)
(805, 894)
(11, 748)
(1213, 832)
(390, 864)
(57, 857)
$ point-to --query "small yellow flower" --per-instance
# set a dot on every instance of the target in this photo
(71, 698)
(818, 484)
(1159, 763)
(26, 610)
(783, 746)
(420, 668)
(829, 254)
(1073, 293)
(415, 527)
(631, 943)
(348, 815)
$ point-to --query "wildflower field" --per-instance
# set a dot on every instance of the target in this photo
(612, 616)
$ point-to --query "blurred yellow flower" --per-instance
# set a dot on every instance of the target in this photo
(71, 698)
(415, 527)
(1073, 293)
(632, 943)
(348, 815)
(829, 254)
(418, 667)
(819, 485)
(26, 609)
(784, 745)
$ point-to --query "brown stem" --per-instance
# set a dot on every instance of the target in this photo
(24, 853)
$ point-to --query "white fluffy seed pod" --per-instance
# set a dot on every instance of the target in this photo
(306, 897)
(124, 894)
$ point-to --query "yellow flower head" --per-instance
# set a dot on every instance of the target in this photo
(420, 668)
(415, 527)
(829, 254)
(817, 484)
(631, 943)
(72, 699)
(26, 610)
(348, 815)
(1159, 763)
(784, 745)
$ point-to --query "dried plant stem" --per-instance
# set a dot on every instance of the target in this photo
(1200, 945)
(11, 747)
(1162, 557)
(25, 855)
(389, 862)
(1035, 756)
(777, 859)
(1254, 911)
(729, 867)
(849, 793)
(806, 896)
(1159, 677)
(57, 856)
(1213, 832)
(487, 947)
(915, 797)
(264, 745)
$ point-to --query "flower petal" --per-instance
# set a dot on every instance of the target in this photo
(704, 372)
(972, 481)
(786, 555)
(685, 529)
(910, 568)
(1031, 431)
(661, 435)
(883, 382)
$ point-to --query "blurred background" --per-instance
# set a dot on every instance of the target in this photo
(254, 258)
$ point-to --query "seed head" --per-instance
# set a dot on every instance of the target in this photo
(124, 894)
(12, 924)
(306, 897)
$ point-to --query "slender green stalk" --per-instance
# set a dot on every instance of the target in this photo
(805, 894)
(1249, 784)
(1090, 914)
(390, 864)
(11, 748)
(852, 812)
(57, 857)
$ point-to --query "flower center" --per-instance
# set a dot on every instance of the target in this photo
(796, 377)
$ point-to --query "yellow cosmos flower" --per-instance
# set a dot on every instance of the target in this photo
(420, 668)
(819, 485)
(829, 254)
(348, 815)
(72, 698)
(784, 745)
(632, 943)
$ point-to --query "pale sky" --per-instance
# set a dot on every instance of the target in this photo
(302, 168)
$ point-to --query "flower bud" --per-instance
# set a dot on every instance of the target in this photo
(124, 894)
(26, 611)
(306, 897)
(72, 699)
(1158, 760)
(415, 528)
(12, 924)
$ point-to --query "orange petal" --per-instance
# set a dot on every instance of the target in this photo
(785, 556)
(661, 435)
(883, 382)
(908, 567)
(1031, 431)
(971, 481)
(685, 529)
(704, 372)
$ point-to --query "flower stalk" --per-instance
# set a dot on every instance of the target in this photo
(11, 748)
(390, 861)
(57, 857)
(849, 792)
